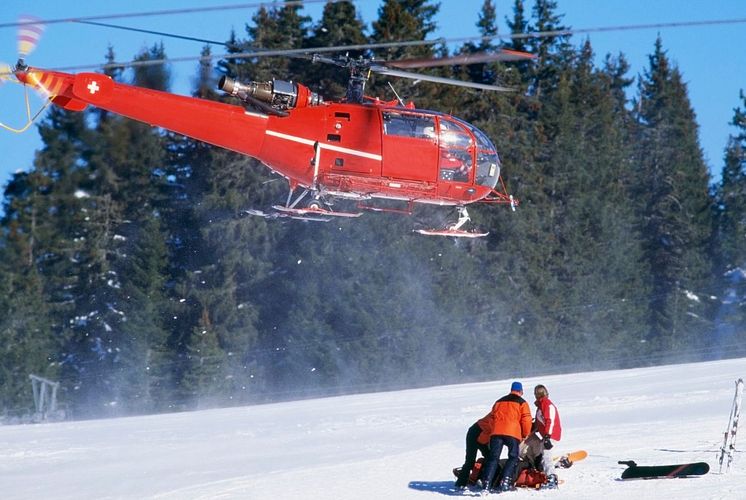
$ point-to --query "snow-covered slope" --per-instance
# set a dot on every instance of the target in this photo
(395, 445)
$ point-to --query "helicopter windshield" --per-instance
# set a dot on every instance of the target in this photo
(456, 151)
(488, 163)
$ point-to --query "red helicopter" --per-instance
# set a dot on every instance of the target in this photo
(358, 148)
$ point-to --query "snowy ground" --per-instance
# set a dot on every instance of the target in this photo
(396, 445)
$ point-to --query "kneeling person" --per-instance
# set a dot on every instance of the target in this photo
(477, 439)
(546, 430)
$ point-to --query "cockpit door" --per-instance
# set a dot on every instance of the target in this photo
(410, 146)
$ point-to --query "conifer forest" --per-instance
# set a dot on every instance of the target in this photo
(132, 274)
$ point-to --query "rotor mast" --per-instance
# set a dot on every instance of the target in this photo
(359, 74)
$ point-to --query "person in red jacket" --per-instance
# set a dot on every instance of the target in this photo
(511, 423)
(546, 429)
(477, 438)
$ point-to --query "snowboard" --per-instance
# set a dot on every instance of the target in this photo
(635, 471)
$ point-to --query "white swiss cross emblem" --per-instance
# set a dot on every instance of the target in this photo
(93, 87)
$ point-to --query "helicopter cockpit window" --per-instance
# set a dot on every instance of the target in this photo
(488, 168)
(488, 163)
(456, 152)
(408, 125)
(453, 136)
(482, 140)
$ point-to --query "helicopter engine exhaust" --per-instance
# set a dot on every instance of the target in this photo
(275, 97)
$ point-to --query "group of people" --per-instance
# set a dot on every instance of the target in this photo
(509, 424)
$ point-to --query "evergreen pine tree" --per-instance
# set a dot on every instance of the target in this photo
(487, 25)
(74, 269)
(675, 208)
(112, 183)
(219, 254)
(276, 28)
(596, 256)
(26, 324)
(518, 25)
(404, 20)
(552, 52)
(731, 196)
(204, 377)
(146, 381)
(339, 25)
(152, 76)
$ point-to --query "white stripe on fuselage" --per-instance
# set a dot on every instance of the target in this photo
(330, 147)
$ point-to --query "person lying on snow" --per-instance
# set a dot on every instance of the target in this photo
(527, 475)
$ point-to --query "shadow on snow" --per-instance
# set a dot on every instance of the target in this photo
(443, 487)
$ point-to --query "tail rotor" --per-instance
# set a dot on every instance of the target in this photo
(30, 29)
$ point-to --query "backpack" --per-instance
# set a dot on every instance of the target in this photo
(527, 476)
(530, 478)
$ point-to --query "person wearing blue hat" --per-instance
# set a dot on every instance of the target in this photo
(511, 423)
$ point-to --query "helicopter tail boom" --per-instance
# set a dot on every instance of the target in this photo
(238, 130)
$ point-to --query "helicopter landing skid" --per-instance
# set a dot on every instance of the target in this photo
(456, 233)
(279, 215)
(454, 230)
(313, 212)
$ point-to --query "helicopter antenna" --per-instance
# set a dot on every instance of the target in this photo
(397, 95)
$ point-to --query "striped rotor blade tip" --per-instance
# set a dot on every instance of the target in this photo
(29, 31)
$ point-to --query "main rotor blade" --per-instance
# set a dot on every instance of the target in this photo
(437, 79)
(463, 59)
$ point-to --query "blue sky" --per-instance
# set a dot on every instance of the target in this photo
(711, 58)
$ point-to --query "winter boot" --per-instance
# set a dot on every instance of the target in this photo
(551, 484)
(461, 481)
(506, 485)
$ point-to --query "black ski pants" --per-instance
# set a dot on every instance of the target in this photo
(472, 445)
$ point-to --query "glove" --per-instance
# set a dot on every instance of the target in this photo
(548, 445)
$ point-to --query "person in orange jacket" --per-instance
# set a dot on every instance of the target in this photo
(511, 423)
(477, 438)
